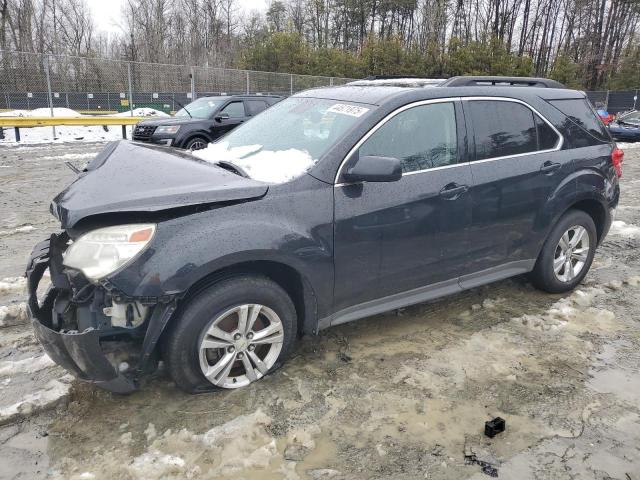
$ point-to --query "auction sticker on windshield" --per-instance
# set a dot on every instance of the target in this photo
(351, 110)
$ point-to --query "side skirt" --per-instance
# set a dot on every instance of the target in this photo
(427, 293)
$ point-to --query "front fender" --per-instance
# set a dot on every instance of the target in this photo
(293, 230)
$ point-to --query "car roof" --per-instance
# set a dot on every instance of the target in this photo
(246, 95)
(381, 94)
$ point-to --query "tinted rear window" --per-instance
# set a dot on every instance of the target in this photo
(502, 128)
(256, 106)
(581, 113)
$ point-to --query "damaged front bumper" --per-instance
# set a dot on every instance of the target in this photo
(84, 348)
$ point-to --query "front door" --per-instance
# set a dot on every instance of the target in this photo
(229, 117)
(398, 236)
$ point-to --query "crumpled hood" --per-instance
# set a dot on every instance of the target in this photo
(132, 177)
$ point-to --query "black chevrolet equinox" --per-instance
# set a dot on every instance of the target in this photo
(333, 205)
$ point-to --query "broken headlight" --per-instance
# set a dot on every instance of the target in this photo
(101, 252)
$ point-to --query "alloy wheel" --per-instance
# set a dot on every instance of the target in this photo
(241, 345)
(571, 254)
(197, 145)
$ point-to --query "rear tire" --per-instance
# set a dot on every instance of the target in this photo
(567, 254)
(209, 335)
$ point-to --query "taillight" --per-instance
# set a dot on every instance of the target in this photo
(617, 158)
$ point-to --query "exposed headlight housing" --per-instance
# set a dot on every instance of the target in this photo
(168, 129)
(101, 252)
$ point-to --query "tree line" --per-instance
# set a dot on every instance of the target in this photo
(592, 44)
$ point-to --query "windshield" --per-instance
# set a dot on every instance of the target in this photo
(633, 117)
(200, 108)
(285, 140)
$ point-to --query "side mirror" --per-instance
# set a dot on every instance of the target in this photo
(222, 116)
(370, 168)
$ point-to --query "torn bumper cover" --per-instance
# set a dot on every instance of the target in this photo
(81, 352)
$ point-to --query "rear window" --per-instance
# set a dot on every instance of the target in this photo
(581, 113)
(503, 128)
(256, 106)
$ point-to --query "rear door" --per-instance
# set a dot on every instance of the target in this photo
(516, 166)
(397, 236)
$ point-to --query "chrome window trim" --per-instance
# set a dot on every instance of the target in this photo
(449, 100)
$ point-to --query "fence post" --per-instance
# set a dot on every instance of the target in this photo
(606, 102)
(130, 88)
(248, 88)
(635, 99)
(290, 84)
(49, 94)
(193, 84)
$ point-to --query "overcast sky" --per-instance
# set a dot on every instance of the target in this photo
(106, 14)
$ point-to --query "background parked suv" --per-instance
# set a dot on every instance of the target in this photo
(202, 121)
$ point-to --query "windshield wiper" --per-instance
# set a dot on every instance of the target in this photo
(232, 167)
(183, 107)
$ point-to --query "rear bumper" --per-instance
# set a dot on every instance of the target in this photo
(82, 353)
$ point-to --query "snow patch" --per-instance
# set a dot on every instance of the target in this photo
(627, 145)
(26, 365)
(42, 112)
(140, 112)
(71, 156)
(574, 309)
(623, 229)
(48, 397)
(13, 285)
(20, 229)
(14, 314)
(399, 82)
(242, 443)
(263, 165)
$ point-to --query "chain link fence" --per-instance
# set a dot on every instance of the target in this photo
(98, 85)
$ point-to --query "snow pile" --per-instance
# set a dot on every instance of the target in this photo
(14, 314)
(52, 394)
(26, 365)
(141, 112)
(623, 229)
(263, 165)
(13, 285)
(42, 112)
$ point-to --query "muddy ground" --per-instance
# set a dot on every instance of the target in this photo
(403, 395)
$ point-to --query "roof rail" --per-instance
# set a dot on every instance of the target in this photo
(470, 81)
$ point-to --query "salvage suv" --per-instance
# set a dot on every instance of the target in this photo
(333, 205)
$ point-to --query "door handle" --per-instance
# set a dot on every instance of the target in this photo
(550, 167)
(452, 191)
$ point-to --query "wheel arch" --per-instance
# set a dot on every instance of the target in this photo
(287, 277)
(195, 134)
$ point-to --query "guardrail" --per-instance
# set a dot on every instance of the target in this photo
(95, 121)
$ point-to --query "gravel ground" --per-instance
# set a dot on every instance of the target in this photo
(403, 395)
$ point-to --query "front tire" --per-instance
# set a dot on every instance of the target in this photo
(196, 143)
(567, 254)
(231, 334)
